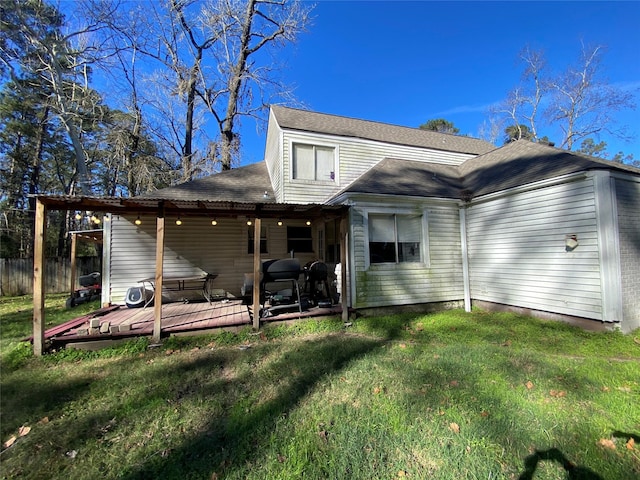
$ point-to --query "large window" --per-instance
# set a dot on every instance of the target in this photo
(313, 162)
(395, 238)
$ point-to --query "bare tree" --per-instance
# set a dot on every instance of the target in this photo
(213, 58)
(583, 102)
(519, 112)
(262, 23)
(579, 102)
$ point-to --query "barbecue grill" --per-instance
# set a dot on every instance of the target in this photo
(279, 271)
(316, 282)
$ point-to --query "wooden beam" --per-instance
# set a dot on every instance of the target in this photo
(157, 306)
(256, 273)
(74, 244)
(344, 297)
(38, 278)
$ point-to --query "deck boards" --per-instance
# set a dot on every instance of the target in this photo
(176, 318)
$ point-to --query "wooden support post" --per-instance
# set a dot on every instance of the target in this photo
(38, 278)
(157, 306)
(256, 273)
(74, 244)
(344, 291)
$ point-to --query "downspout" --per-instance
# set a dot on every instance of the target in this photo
(465, 258)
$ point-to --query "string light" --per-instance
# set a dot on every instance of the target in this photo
(138, 221)
(214, 222)
(178, 221)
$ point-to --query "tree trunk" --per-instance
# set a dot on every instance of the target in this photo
(235, 85)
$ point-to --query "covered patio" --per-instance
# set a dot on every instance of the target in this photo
(161, 319)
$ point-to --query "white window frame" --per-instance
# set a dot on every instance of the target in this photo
(313, 143)
(424, 244)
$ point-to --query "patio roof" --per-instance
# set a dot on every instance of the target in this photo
(184, 208)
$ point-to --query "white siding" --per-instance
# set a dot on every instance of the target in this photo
(517, 253)
(403, 284)
(356, 156)
(273, 155)
(190, 249)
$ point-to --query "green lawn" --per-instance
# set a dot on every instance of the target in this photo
(452, 395)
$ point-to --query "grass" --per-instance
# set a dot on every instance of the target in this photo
(452, 395)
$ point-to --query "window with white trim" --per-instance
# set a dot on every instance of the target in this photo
(313, 162)
(395, 238)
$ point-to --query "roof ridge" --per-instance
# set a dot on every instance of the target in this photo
(386, 124)
(326, 123)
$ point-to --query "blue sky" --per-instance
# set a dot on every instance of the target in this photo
(407, 62)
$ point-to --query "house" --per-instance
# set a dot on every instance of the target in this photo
(433, 220)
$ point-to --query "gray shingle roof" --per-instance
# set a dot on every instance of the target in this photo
(518, 163)
(243, 185)
(410, 178)
(303, 120)
(523, 162)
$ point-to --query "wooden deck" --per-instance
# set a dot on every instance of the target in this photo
(119, 322)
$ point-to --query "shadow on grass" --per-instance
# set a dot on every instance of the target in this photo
(28, 399)
(234, 438)
(574, 472)
(626, 436)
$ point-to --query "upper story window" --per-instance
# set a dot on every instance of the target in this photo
(395, 238)
(313, 162)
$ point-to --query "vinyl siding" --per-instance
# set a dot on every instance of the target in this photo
(272, 156)
(517, 253)
(628, 203)
(355, 158)
(190, 249)
(403, 284)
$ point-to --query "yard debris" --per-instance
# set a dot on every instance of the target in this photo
(529, 385)
(630, 444)
(244, 347)
(558, 393)
(607, 443)
(72, 454)
(22, 431)
(10, 442)
(454, 427)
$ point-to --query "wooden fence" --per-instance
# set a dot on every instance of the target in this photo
(16, 274)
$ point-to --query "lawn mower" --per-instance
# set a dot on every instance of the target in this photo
(90, 289)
